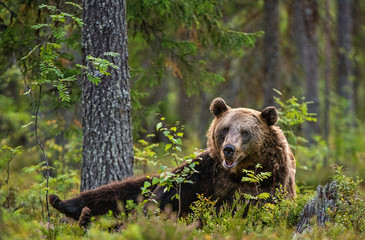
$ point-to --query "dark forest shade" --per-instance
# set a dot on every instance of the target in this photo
(107, 129)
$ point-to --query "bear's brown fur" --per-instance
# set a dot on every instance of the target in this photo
(238, 138)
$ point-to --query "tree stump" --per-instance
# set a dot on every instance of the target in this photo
(325, 199)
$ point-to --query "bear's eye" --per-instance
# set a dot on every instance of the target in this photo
(246, 136)
(223, 132)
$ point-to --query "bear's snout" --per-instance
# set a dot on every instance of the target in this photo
(228, 151)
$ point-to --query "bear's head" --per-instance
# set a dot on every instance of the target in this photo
(237, 135)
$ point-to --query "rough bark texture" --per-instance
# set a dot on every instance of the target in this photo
(357, 25)
(107, 132)
(318, 207)
(271, 50)
(345, 72)
(306, 18)
(327, 74)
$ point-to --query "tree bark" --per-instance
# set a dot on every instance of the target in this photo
(357, 29)
(271, 50)
(327, 75)
(318, 207)
(107, 129)
(345, 71)
(306, 18)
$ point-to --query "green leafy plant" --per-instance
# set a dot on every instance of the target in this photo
(167, 178)
(293, 113)
(51, 77)
(252, 176)
(50, 73)
(350, 202)
(101, 65)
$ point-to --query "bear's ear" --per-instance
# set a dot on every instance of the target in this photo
(270, 115)
(218, 107)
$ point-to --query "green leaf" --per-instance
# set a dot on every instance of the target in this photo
(168, 146)
(38, 26)
(27, 125)
(111, 54)
(75, 5)
(179, 180)
(155, 180)
(59, 33)
(147, 184)
(93, 79)
(163, 168)
(158, 126)
(263, 196)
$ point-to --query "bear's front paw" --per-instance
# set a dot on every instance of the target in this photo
(85, 217)
(54, 200)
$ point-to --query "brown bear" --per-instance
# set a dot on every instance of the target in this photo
(238, 138)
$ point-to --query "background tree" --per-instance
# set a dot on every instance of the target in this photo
(327, 73)
(195, 50)
(305, 15)
(271, 50)
(345, 87)
(106, 117)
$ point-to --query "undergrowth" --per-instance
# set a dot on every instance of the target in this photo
(276, 220)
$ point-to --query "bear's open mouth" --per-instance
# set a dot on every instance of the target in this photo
(229, 164)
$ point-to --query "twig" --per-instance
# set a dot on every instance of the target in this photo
(42, 148)
(8, 167)
(13, 14)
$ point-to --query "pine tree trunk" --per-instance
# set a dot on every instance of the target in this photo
(271, 50)
(327, 75)
(357, 30)
(306, 15)
(344, 84)
(107, 129)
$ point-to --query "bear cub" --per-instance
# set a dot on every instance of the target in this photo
(238, 138)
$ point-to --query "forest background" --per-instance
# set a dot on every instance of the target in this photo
(181, 60)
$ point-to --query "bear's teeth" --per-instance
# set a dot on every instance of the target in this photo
(230, 164)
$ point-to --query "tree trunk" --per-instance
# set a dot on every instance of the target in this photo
(107, 129)
(357, 30)
(344, 83)
(327, 75)
(271, 50)
(318, 207)
(306, 15)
